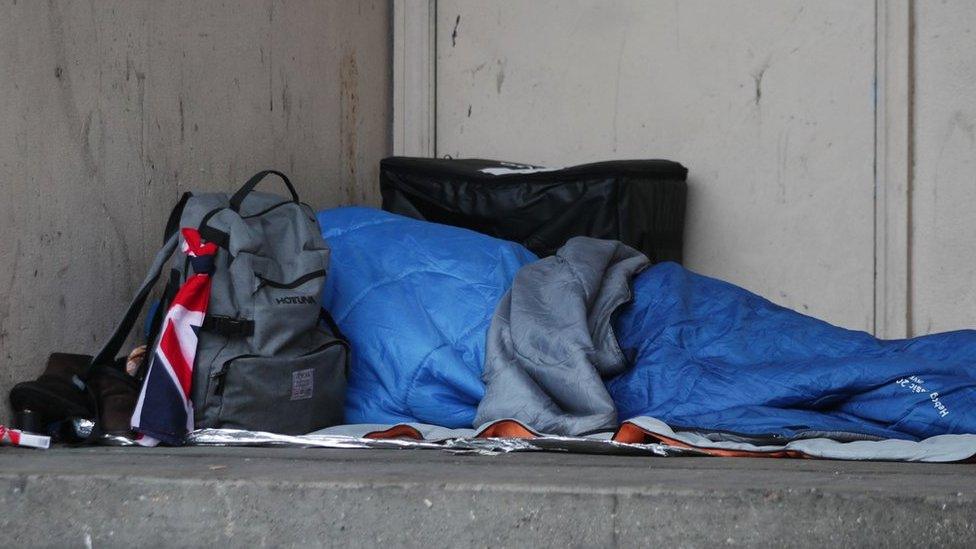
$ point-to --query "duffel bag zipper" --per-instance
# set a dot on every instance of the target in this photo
(220, 375)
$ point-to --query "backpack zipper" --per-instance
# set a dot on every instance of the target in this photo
(219, 376)
(293, 284)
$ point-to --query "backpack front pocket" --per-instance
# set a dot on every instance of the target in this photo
(286, 313)
(291, 396)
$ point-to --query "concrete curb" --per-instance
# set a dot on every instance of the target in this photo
(259, 497)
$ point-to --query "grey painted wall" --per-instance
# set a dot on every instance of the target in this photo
(110, 110)
(943, 225)
(770, 103)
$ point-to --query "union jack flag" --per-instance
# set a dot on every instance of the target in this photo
(164, 411)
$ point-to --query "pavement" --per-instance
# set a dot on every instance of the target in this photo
(247, 497)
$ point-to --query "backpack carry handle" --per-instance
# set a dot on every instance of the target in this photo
(240, 195)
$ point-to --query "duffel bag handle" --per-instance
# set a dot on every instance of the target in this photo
(240, 195)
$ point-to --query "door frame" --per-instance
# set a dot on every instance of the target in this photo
(893, 166)
(415, 77)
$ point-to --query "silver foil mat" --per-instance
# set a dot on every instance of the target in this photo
(479, 446)
(116, 440)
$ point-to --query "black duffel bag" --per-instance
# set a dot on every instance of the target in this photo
(639, 202)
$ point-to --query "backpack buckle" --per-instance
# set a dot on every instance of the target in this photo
(228, 326)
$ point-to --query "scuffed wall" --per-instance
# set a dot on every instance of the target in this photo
(110, 110)
(769, 103)
(772, 106)
(943, 223)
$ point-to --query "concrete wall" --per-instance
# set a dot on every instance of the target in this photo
(943, 229)
(110, 110)
(772, 106)
(769, 103)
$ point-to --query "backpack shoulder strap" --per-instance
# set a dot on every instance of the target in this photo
(111, 348)
(170, 239)
(173, 223)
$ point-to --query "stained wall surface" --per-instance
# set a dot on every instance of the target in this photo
(943, 230)
(109, 110)
(769, 103)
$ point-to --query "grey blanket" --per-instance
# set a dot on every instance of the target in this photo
(551, 343)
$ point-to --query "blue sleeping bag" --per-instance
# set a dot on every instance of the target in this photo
(416, 299)
(708, 355)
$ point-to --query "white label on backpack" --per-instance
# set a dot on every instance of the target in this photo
(301, 384)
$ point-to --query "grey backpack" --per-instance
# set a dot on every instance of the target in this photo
(268, 357)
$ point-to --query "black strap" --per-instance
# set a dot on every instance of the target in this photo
(111, 348)
(240, 195)
(156, 324)
(211, 234)
(228, 326)
(173, 223)
(169, 291)
(214, 236)
(325, 317)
